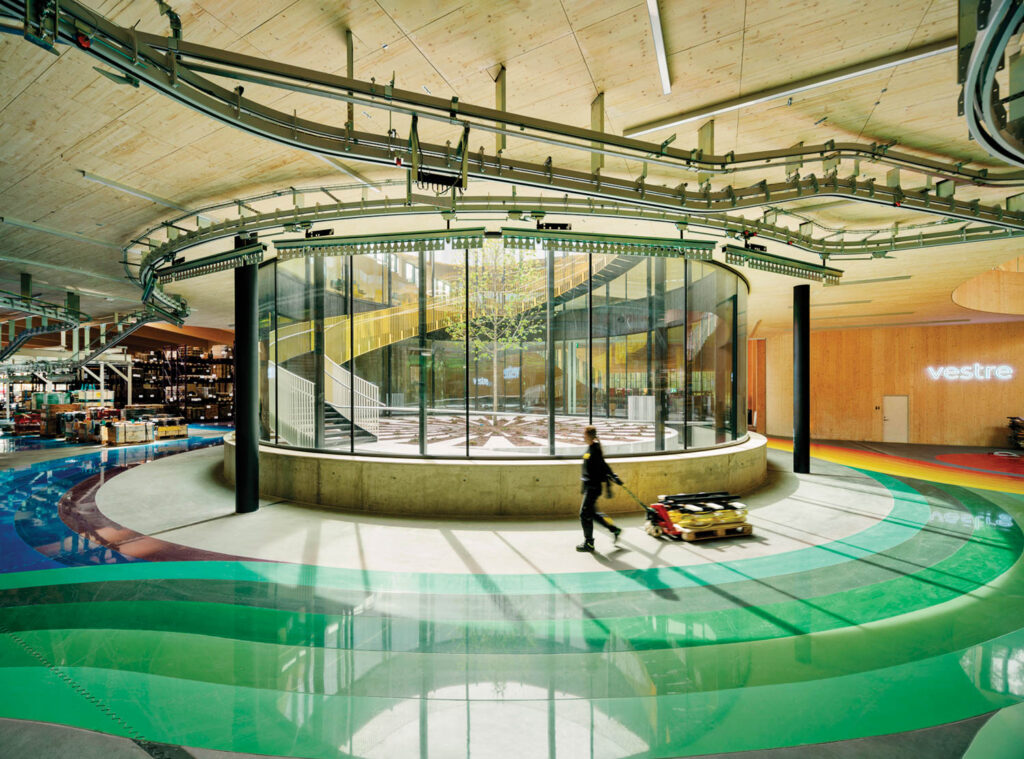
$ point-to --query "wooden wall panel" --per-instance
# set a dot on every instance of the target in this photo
(852, 369)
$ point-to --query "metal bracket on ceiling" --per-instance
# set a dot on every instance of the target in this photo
(117, 78)
(462, 154)
(36, 31)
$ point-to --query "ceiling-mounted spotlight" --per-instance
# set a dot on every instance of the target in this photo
(400, 242)
(625, 245)
(232, 259)
(319, 233)
(758, 259)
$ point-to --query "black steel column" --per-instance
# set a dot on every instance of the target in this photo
(687, 381)
(351, 278)
(802, 379)
(319, 365)
(247, 391)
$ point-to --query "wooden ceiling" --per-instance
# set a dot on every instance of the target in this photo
(59, 117)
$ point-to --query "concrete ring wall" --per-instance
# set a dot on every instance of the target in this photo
(467, 489)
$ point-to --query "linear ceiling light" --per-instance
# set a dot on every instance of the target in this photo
(57, 232)
(127, 189)
(659, 46)
(756, 259)
(131, 191)
(231, 259)
(351, 172)
(368, 244)
(792, 88)
(584, 242)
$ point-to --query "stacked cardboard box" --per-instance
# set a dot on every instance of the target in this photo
(121, 433)
(53, 418)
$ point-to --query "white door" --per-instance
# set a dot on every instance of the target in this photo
(895, 419)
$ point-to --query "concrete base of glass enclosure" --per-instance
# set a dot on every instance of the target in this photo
(481, 488)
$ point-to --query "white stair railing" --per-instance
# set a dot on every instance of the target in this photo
(340, 385)
(295, 417)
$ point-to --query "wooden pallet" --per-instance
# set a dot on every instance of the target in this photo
(716, 531)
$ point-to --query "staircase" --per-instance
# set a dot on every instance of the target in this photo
(336, 430)
(295, 380)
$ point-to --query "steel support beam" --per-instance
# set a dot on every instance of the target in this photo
(500, 138)
(597, 124)
(350, 67)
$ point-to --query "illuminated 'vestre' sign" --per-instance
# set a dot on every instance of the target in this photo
(971, 372)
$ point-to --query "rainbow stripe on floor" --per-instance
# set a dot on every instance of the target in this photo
(914, 622)
(906, 467)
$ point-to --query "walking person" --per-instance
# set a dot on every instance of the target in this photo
(595, 474)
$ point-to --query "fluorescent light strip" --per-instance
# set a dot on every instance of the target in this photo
(56, 232)
(128, 190)
(819, 80)
(131, 191)
(897, 324)
(351, 172)
(899, 278)
(837, 303)
(862, 316)
(659, 46)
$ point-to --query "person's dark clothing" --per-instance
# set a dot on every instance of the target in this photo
(589, 514)
(595, 469)
(595, 473)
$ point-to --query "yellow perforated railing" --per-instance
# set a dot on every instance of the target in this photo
(375, 329)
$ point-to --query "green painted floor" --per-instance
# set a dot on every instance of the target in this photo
(914, 622)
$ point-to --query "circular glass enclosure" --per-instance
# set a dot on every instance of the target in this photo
(465, 343)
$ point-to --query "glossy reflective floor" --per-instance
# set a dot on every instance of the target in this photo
(882, 595)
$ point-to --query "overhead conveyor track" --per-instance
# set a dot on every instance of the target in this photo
(985, 32)
(874, 245)
(177, 68)
(53, 318)
(190, 74)
(119, 330)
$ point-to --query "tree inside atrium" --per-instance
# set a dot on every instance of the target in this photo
(506, 291)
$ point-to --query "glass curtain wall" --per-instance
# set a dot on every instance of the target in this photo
(267, 346)
(504, 350)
